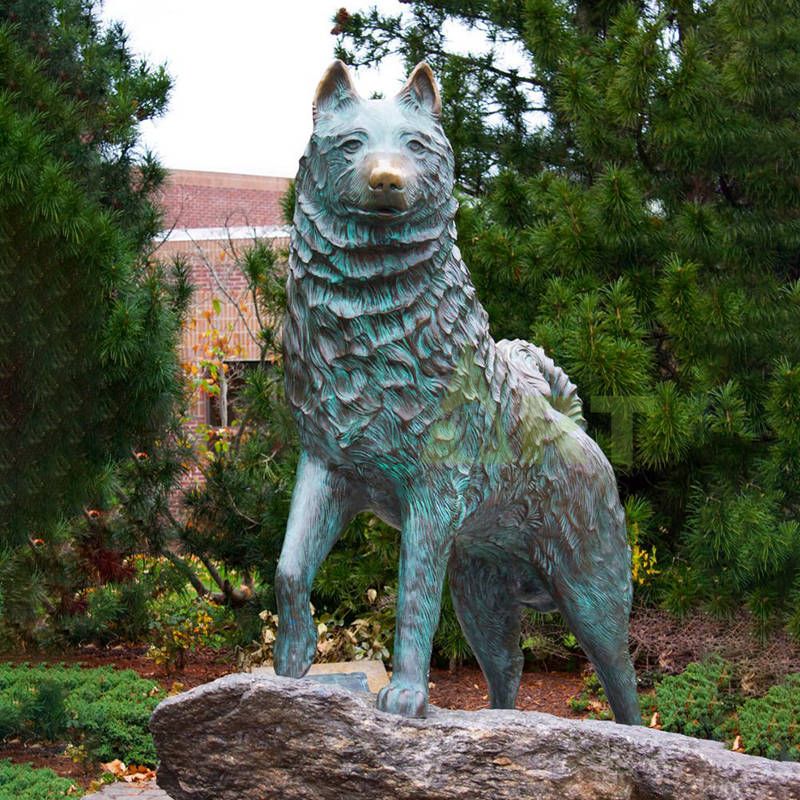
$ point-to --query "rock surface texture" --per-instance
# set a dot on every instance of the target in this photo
(128, 791)
(258, 737)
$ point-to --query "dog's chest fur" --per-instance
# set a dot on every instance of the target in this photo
(372, 338)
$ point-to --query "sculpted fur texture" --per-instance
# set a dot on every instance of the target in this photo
(407, 407)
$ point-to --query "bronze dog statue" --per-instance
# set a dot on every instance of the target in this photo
(408, 408)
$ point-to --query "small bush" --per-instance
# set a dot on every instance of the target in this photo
(707, 702)
(364, 639)
(546, 641)
(45, 708)
(698, 701)
(591, 698)
(181, 625)
(9, 718)
(22, 782)
(770, 725)
(104, 710)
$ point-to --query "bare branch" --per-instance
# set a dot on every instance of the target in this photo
(181, 565)
(221, 286)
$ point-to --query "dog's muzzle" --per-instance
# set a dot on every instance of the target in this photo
(387, 186)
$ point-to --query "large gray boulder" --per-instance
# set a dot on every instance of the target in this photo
(256, 737)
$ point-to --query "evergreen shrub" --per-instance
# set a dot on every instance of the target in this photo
(699, 701)
(89, 366)
(627, 177)
(23, 782)
(770, 725)
(107, 711)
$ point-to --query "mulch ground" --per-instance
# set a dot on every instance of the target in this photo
(461, 688)
(50, 756)
(465, 688)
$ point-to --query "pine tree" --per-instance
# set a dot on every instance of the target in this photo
(88, 321)
(630, 201)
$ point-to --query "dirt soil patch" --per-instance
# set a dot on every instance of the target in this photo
(461, 688)
(465, 688)
(49, 756)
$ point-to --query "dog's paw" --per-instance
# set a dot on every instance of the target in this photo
(295, 648)
(406, 699)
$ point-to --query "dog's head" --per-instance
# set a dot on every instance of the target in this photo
(385, 161)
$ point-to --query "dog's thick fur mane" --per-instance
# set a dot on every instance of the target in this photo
(382, 317)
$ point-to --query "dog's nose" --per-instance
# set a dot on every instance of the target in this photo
(386, 177)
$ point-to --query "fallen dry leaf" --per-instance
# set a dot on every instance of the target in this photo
(737, 745)
(655, 721)
(115, 767)
(138, 774)
(135, 773)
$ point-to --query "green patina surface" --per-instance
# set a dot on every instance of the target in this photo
(407, 407)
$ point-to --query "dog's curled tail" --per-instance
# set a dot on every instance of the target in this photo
(540, 372)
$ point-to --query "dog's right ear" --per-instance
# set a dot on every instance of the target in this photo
(335, 90)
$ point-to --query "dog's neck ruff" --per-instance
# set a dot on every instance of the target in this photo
(378, 318)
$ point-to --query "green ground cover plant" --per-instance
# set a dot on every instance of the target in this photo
(103, 710)
(700, 700)
(592, 699)
(22, 782)
(707, 700)
(770, 725)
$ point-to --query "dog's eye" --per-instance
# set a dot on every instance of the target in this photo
(351, 145)
(415, 145)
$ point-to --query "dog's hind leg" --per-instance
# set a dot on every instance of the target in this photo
(599, 621)
(483, 592)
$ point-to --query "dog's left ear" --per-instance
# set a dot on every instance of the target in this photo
(422, 91)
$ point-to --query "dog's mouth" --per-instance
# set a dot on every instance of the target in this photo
(380, 213)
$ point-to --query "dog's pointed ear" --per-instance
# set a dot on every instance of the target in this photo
(335, 90)
(422, 91)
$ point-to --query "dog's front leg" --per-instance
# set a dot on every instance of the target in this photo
(321, 507)
(426, 538)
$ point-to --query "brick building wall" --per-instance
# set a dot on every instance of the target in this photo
(208, 218)
(193, 199)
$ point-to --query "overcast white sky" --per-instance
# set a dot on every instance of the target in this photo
(244, 74)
